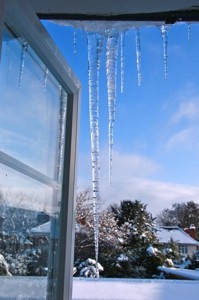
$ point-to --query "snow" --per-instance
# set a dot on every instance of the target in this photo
(192, 226)
(102, 26)
(122, 257)
(134, 289)
(41, 229)
(151, 250)
(183, 273)
(165, 234)
(101, 289)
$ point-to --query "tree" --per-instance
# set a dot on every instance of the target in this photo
(128, 245)
(109, 234)
(182, 215)
(84, 232)
(140, 256)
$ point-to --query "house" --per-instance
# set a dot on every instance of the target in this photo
(187, 244)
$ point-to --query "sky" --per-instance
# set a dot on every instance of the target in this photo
(156, 136)
(29, 130)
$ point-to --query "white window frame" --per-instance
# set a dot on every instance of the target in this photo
(183, 249)
(20, 17)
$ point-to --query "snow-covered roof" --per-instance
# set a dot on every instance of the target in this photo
(41, 229)
(44, 229)
(166, 233)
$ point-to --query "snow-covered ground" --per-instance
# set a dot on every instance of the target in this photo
(135, 289)
(34, 288)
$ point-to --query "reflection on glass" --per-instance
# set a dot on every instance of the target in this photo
(29, 214)
(30, 107)
(32, 131)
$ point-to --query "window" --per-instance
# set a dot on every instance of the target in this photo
(183, 249)
(38, 127)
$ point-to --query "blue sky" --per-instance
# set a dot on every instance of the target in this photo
(156, 136)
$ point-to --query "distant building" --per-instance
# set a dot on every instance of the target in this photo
(187, 244)
(40, 231)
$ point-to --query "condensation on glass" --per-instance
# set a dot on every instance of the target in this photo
(32, 128)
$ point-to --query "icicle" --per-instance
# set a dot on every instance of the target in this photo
(138, 54)
(189, 31)
(7, 54)
(22, 64)
(95, 46)
(111, 71)
(75, 40)
(122, 57)
(46, 71)
(62, 117)
(7, 47)
(164, 32)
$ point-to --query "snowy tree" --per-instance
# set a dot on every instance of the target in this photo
(193, 261)
(126, 234)
(133, 218)
(84, 232)
(172, 254)
(89, 268)
(111, 239)
(22, 256)
(110, 235)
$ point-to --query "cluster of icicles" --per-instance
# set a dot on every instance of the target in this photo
(114, 40)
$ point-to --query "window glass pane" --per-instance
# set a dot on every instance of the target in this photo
(32, 129)
(30, 107)
(29, 214)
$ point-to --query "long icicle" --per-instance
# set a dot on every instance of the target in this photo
(164, 32)
(111, 72)
(95, 46)
(122, 58)
(138, 54)
(62, 117)
(22, 63)
(189, 31)
(75, 41)
(46, 71)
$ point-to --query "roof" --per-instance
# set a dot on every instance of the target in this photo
(116, 9)
(166, 233)
(42, 229)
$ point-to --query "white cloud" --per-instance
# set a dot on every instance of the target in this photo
(187, 110)
(124, 165)
(184, 138)
(182, 126)
(133, 164)
(130, 181)
(157, 194)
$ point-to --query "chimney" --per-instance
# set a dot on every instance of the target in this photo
(191, 231)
